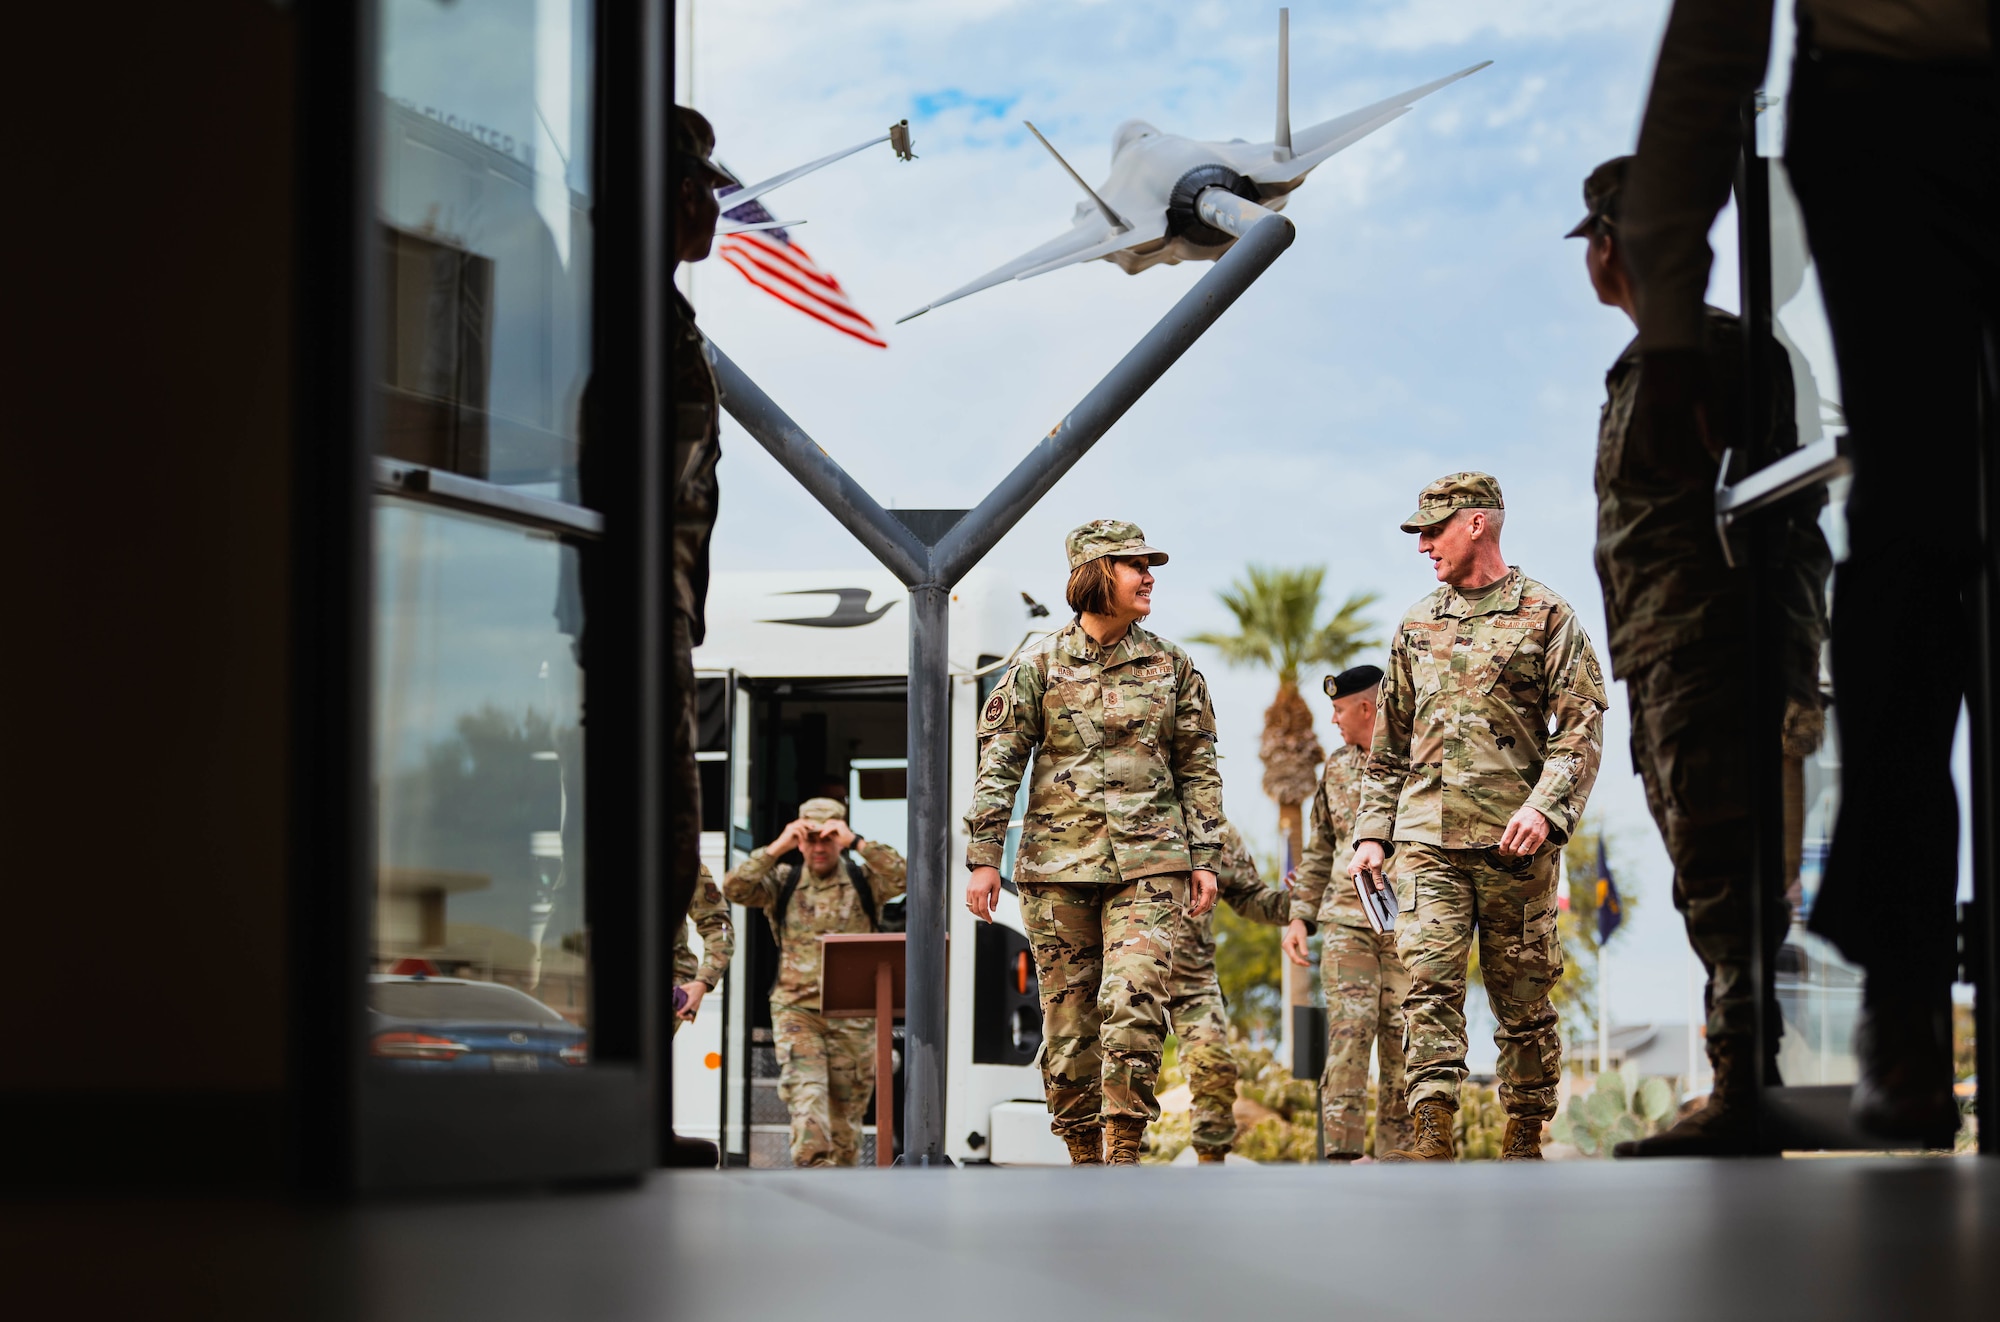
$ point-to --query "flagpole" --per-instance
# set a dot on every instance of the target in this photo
(1603, 1013)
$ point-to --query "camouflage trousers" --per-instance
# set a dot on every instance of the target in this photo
(1365, 984)
(683, 777)
(826, 1074)
(1103, 956)
(1446, 895)
(1689, 711)
(1197, 1019)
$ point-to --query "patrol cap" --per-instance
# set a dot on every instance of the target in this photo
(1600, 196)
(1452, 493)
(694, 143)
(1102, 537)
(822, 810)
(1358, 679)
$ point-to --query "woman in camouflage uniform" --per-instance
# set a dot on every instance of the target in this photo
(1122, 835)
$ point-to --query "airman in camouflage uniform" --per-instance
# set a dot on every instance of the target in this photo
(1195, 1009)
(1362, 974)
(1124, 810)
(1679, 616)
(708, 914)
(1486, 745)
(826, 1067)
(697, 448)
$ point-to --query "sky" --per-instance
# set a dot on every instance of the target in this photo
(1430, 316)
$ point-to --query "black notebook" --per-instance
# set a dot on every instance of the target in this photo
(1378, 901)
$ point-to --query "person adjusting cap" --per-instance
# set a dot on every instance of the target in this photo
(822, 810)
(1102, 537)
(1452, 493)
(694, 143)
(1357, 679)
(1600, 197)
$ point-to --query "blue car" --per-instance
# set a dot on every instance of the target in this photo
(419, 1022)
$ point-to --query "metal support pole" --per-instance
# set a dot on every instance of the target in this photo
(930, 866)
(930, 573)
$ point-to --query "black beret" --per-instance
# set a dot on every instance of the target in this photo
(1357, 680)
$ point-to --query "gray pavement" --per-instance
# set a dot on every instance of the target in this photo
(1821, 1238)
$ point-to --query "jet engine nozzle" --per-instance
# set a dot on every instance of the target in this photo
(1184, 222)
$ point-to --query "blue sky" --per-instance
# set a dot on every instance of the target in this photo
(1430, 316)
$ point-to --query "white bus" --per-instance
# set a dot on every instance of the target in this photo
(803, 692)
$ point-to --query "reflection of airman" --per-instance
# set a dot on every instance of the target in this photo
(1469, 787)
(826, 1067)
(1676, 612)
(696, 449)
(708, 914)
(1124, 819)
(1363, 975)
(1194, 997)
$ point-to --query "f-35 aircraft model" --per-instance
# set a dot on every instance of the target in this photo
(1173, 199)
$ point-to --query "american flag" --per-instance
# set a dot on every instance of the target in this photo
(770, 260)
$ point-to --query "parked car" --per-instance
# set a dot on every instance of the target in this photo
(428, 1023)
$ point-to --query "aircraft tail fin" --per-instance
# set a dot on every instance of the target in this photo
(1282, 139)
(1117, 222)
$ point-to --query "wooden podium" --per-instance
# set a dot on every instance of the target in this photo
(861, 977)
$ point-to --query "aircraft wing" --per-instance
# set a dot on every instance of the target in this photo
(1092, 237)
(1313, 145)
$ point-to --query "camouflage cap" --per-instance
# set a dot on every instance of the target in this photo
(694, 143)
(1452, 493)
(1600, 196)
(1102, 537)
(822, 810)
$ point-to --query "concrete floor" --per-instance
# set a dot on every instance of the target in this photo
(1825, 1238)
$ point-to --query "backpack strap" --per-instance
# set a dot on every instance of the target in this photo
(858, 878)
(775, 915)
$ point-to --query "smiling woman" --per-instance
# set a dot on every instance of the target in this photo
(1122, 833)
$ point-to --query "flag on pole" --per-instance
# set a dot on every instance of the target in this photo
(770, 260)
(1610, 909)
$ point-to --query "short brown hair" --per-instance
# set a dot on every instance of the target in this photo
(1089, 590)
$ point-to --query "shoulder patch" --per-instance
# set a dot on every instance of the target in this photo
(995, 710)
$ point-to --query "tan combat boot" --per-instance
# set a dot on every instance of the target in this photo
(1086, 1146)
(1523, 1140)
(1210, 1156)
(1122, 1136)
(1434, 1123)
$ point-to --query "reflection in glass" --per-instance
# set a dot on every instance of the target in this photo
(478, 784)
(484, 198)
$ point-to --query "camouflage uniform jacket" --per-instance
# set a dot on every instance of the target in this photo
(697, 448)
(1665, 582)
(709, 914)
(1321, 892)
(1238, 885)
(819, 905)
(1463, 737)
(1123, 743)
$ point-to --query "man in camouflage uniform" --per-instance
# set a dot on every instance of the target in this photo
(826, 1067)
(697, 405)
(1194, 997)
(695, 977)
(1485, 749)
(1124, 825)
(1363, 976)
(1679, 637)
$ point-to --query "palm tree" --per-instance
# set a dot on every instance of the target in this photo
(1277, 619)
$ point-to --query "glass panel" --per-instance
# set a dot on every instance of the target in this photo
(485, 196)
(1819, 993)
(480, 956)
